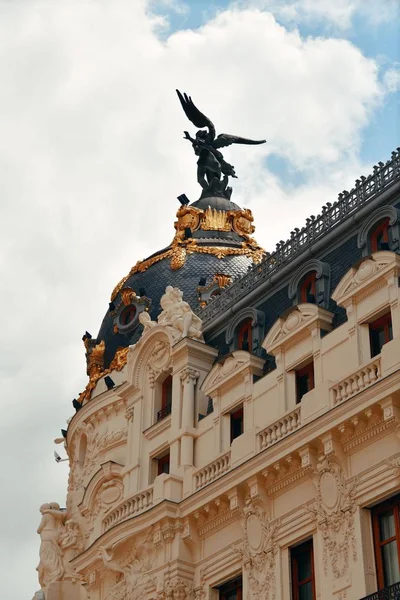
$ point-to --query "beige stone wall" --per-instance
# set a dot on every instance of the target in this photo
(299, 470)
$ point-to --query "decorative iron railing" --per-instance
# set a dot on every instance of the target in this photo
(390, 593)
(366, 188)
(164, 412)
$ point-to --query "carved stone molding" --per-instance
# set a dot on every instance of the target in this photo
(366, 277)
(334, 510)
(189, 374)
(258, 551)
(132, 564)
(177, 588)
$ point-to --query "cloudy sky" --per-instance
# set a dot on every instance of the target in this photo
(92, 159)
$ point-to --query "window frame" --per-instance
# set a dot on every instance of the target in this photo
(310, 278)
(376, 511)
(233, 416)
(382, 227)
(307, 369)
(162, 460)
(234, 585)
(308, 545)
(245, 326)
(386, 321)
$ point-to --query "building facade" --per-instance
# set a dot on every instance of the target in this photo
(239, 434)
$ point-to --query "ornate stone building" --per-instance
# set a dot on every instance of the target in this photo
(238, 437)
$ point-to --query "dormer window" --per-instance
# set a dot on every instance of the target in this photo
(308, 288)
(379, 239)
(244, 336)
(380, 333)
(304, 380)
(237, 423)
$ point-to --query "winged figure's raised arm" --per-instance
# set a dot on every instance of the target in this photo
(224, 139)
(195, 115)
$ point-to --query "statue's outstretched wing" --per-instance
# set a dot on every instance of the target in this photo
(224, 139)
(194, 115)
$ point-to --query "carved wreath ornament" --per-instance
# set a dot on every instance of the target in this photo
(258, 550)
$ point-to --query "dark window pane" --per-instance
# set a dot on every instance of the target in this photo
(387, 526)
(390, 563)
(306, 591)
(304, 565)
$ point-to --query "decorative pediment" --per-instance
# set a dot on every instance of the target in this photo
(234, 365)
(363, 279)
(296, 324)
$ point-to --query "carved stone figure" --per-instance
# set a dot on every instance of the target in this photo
(145, 320)
(178, 316)
(132, 569)
(212, 170)
(51, 565)
(70, 542)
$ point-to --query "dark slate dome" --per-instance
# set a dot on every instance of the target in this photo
(212, 239)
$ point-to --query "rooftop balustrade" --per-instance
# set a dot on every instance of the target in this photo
(366, 188)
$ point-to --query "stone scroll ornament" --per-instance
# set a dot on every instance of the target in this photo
(212, 170)
(258, 551)
(176, 316)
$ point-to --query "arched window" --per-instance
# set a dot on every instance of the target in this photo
(244, 336)
(380, 231)
(308, 288)
(379, 236)
(311, 283)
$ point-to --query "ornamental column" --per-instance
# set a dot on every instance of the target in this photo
(189, 377)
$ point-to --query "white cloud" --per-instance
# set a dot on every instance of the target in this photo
(91, 161)
(391, 80)
(339, 14)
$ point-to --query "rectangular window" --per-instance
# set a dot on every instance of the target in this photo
(163, 464)
(302, 566)
(237, 423)
(386, 530)
(166, 399)
(304, 381)
(232, 590)
(380, 332)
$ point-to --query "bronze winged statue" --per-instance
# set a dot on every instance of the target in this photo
(212, 170)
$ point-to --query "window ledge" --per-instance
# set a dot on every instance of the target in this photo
(157, 428)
